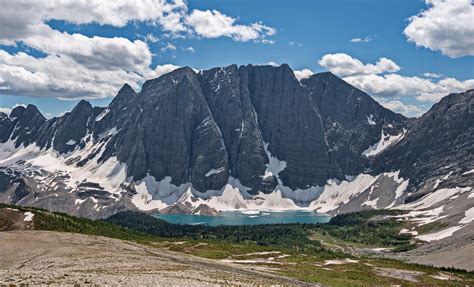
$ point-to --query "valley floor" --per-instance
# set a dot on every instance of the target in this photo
(58, 258)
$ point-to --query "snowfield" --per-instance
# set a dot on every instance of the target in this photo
(439, 235)
(109, 174)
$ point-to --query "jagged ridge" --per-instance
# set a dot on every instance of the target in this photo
(185, 124)
(256, 127)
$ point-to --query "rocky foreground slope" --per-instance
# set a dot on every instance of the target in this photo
(249, 137)
(44, 258)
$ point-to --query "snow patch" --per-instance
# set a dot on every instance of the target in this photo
(79, 201)
(152, 194)
(274, 166)
(339, 262)
(434, 198)
(275, 201)
(28, 216)
(439, 235)
(337, 193)
(386, 140)
(370, 120)
(259, 253)
(7, 149)
(469, 172)
(214, 171)
(71, 142)
(231, 199)
(102, 115)
(402, 186)
(371, 203)
(468, 216)
(422, 217)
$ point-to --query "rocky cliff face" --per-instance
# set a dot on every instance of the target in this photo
(438, 149)
(256, 129)
(23, 124)
(352, 121)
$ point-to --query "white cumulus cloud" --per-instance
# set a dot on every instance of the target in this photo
(302, 74)
(5, 110)
(272, 63)
(19, 18)
(446, 26)
(163, 69)
(394, 85)
(399, 107)
(344, 65)
(79, 66)
(22, 74)
(381, 81)
(432, 75)
(214, 24)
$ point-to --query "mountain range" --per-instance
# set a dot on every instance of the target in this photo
(230, 138)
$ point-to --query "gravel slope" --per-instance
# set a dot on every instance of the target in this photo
(43, 257)
(455, 251)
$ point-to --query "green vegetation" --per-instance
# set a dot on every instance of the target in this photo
(371, 228)
(55, 221)
(65, 223)
(287, 236)
(359, 228)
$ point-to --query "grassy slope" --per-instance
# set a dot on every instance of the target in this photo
(45, 220)
(305, 257)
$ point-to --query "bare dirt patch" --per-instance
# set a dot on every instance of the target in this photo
(14, 219)
(407, 275)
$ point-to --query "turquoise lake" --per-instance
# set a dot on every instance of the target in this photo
(247, 218)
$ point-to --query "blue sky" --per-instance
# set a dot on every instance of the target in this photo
(390, 48)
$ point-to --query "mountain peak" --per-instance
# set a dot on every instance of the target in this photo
(172, 77)
(82, 105)
(17, 112)
(32, 111)
(126, 88)
(324, 77)
(179, 72)
(125, 93)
